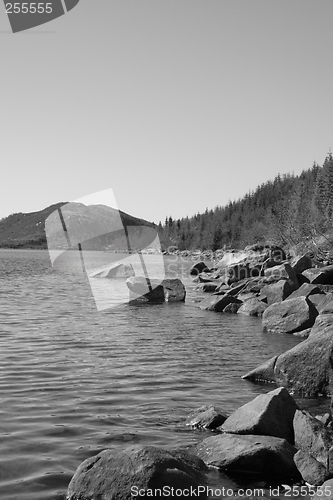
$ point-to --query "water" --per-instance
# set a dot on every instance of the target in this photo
(74, 381)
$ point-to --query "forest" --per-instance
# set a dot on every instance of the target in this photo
(291, 210)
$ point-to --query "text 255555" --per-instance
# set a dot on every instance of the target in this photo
(29, 8)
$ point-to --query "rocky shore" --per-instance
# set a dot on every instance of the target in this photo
(270, 437)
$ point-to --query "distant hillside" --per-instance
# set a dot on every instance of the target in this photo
(27, 230)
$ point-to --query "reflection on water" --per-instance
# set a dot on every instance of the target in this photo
(74, 381)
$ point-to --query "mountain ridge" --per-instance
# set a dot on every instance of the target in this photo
(27, 230)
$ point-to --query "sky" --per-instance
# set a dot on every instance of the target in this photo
(175, 105)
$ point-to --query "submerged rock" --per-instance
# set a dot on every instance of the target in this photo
(206, 417)
(112, 474)
(152, 290)
(114, 271)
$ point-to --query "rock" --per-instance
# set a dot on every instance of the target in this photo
(268, 414)
(252, 307)
(218, 302)
(276, 292)
(304, 291)
(302, 263)
(237, 288)
(289, 316)
(283, 271)
(263, 455)
(209, 287)
(302, 279)
(197, 268)
(174, 290)
(312, 471)
(317, 299)
(314, 438)
(307, 367)
(171, 289)
(232, 308)
(114, 271)
(325, 306)
(263, 373)
(321, 275)
(325, 491)
(244, 296)
(304, 334)
(111, 474)
(206, 417)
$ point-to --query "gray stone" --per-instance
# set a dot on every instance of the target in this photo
(302, 263)
(206, 417)
(268, 414)
(111, 474)
(304, 291)
(276, 292)
(312, 471)
(232, 308)
(197, 268)
(314, 438)
(218, 302)
(289, 316)
(171, 289)
(307, 367)
(263, 455)
(253, 307)
(321, 275)
(114, 271)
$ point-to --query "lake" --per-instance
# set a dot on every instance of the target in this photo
(75, 380)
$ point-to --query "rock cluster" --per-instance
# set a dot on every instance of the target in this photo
(269, 437)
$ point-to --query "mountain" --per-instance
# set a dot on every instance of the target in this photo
(27, 230)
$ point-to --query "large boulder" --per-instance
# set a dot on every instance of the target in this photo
(218, 302)
(289, 316)
(314, 438)
(276, 292)
(252, 307)
(266, 456)
(268, 414)
(118, 270)
(206, 417)
(151, 290)
(320, 275)
(307, 368)
(112, 474)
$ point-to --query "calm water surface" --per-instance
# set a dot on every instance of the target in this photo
(74, 381)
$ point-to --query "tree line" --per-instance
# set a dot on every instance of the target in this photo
(290, 210)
